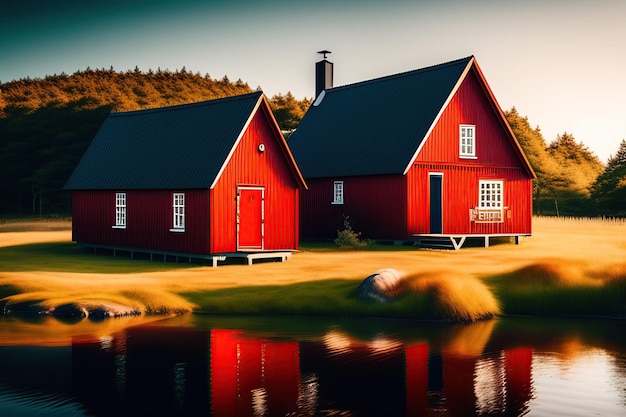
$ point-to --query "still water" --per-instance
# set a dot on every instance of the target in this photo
(197, 365)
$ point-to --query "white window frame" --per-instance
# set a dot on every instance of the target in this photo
(467, 141)
(338, 192)
(120, 211)
(490, 207)
(178, 212)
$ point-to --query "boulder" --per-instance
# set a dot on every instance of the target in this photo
(24, 308)
(69, 311)
(382, 286)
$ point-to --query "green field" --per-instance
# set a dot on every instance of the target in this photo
(569, 267)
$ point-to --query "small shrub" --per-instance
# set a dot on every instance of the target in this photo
(348, 238)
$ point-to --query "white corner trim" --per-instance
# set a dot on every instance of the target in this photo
(232, 150)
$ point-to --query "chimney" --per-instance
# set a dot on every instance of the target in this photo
(323, 74)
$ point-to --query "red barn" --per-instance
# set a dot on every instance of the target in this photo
(413, 156)
(203, 180)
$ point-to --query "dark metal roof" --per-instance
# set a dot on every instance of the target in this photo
(373, 127)
(178, 147)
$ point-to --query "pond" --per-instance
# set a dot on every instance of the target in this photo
(301, 366)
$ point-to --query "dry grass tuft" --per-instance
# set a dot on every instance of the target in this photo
(616, 272)
(122, 303)
(554, 273)
(453, 296)
(160, 302)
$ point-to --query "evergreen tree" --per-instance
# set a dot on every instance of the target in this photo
(46, 124)
(578, 169)
(3, 103)
(565, 169)
(288, 111)
(609, 190)
(535, 149)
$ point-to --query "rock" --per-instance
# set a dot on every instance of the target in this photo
(381, 286)
(26, 308)
(69, 311)
(110, 309)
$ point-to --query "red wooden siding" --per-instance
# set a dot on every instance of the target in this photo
(470, 105)
(250, 167)
(210, 215)
(460, 194)
(496, 159)
(149, 220)
(396, 207)
(375, 206)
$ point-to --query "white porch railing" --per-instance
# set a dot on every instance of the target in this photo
(479, 215)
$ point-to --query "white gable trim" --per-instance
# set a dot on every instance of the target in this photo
(443, 108)
(232, 150)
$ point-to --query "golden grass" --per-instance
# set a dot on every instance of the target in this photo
(567, 251)
(454, 295)
(27, 237)
(35, 225)
(555, 273)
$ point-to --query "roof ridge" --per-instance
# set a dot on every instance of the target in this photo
(402, 74)
(186, 105)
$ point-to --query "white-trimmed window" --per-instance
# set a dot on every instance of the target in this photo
(178, 205)
(120, 211)
(490, 201)
(338, 192)
(467, 141)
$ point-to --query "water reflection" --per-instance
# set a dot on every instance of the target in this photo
(195, 365)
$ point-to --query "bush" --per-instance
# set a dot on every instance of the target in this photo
(348, 238)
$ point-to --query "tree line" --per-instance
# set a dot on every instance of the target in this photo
(571, 180)
(47, 123)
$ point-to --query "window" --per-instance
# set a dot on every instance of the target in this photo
(178, 206)
(490, 195)
(120, 211)
(490, 199)
(467, 141)
(338, 192)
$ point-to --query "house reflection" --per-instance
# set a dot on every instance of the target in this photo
(169, 371)
(252, 376)
(157, 371)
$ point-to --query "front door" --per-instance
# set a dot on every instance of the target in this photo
(250, 216)
(436, 203)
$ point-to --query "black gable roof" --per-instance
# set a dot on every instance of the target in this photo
(373, 127)
(178, 147)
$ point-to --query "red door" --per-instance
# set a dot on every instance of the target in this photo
(250, 218)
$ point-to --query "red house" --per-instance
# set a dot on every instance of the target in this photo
(411, 157)
(203, 180)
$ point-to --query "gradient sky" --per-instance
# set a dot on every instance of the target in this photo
(561, 63)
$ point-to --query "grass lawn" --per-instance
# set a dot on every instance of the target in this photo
(568, 267)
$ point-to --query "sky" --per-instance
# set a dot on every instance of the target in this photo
(561, 63)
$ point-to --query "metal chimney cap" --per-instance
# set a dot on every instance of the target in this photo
(324, 52)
